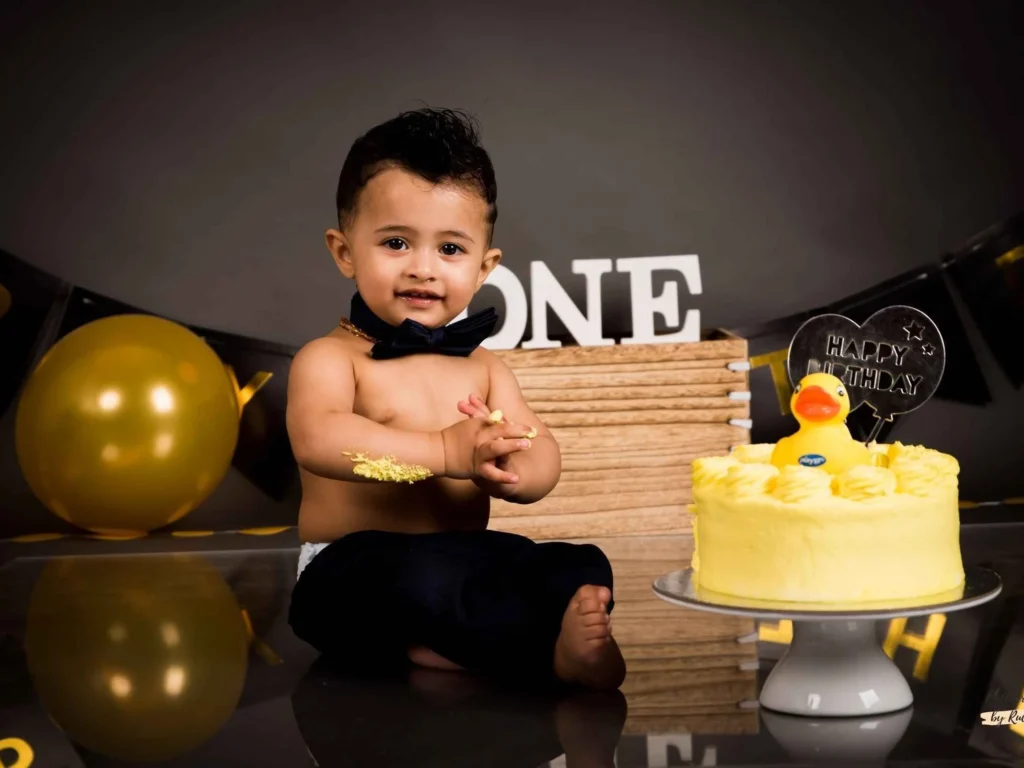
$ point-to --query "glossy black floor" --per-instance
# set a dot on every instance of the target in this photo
(130, 654)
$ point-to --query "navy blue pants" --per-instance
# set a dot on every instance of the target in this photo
(489, 601)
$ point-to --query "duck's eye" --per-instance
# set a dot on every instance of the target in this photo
(798, 388)
(840, 391)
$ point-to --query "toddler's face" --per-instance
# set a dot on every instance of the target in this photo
(415, 250)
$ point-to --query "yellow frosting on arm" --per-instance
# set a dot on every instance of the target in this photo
(863, 482)
(798, 483)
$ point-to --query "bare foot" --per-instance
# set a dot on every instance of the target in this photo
(586, 652)
(424, 657)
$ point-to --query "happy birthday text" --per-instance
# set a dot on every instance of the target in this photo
(866, 376)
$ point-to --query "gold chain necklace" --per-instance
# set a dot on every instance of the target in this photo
(347, 325)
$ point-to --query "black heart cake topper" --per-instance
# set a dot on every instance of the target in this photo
(893, 362)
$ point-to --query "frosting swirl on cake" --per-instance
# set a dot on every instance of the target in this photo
(798, 483)
(751, 479)
(942, 462)
(711, 470)
(758, 453)
(866, 482)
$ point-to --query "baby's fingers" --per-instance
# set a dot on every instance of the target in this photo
(495, 475)
(471, 410)
(497, 448)
(513, 431)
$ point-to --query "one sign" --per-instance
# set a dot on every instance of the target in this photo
(585, 325)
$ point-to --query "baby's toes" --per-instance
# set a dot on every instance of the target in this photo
(595, 618)
(590, 605)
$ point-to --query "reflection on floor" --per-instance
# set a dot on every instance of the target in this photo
(186, 659)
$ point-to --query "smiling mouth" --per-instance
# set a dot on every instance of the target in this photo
(422, 298)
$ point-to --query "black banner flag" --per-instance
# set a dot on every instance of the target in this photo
(989, 274)
(31, 302)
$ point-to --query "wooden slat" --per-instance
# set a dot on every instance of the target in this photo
(631, 522)
(715, 389)
(578, 378)
(720, 349)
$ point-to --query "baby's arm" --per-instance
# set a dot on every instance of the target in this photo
(539, 467)
(323, 429)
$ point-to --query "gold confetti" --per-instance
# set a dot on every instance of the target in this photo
(387, 469)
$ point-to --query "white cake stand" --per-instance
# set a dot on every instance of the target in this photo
(835, 665)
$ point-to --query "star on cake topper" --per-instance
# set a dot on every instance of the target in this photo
(914, 330)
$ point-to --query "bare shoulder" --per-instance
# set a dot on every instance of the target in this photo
(497, 369)
(322, 374)
(326, 350)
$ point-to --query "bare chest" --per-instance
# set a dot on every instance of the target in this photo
(418, 392)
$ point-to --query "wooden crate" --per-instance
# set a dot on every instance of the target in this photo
(629, 420)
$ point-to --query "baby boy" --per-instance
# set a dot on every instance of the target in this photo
(405, 427)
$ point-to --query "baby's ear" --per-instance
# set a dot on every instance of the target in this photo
(337, 244)
(491, 260)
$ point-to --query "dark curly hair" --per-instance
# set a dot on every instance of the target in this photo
(440, 145)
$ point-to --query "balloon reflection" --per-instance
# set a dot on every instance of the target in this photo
(138, 658)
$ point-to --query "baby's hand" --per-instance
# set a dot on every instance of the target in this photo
(475, 407)
(472, 448)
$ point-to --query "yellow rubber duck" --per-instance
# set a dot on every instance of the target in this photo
(821, 404)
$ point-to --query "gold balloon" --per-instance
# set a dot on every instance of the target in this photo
(127, 424)
(139, 658)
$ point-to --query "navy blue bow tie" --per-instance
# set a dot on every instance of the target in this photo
(411, 337)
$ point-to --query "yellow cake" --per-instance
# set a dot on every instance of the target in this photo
(886, 531)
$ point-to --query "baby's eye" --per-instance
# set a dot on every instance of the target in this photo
(451, 249)
(395, 243)
(840, 391)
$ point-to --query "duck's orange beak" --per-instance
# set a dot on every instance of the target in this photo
(815, 404)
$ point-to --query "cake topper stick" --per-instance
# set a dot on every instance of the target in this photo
(893, 362)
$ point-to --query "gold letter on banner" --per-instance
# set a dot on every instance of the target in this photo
(776, 362)
(21, 749)
(246, 393)
(1010, 257)
(924, 645)
(780, 633)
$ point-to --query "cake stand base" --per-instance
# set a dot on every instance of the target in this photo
(835, 665)
(835, 669)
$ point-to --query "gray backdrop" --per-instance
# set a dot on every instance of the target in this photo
(182, 157)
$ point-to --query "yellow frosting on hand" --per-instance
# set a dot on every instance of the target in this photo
(798, 483)
(710, 470)
(758, 453)
(864, 482)
(751, 479)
